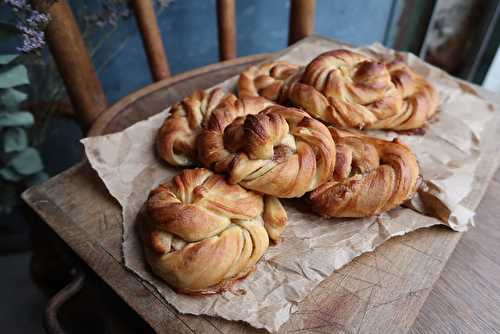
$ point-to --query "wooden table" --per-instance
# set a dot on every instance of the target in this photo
(378, 292)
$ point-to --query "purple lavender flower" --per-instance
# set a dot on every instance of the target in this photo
(33, 39)
(36, 18)
(17, 4)
(31, 24)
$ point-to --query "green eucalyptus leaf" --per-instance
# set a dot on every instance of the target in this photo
(18, 118)
(14, 76)
(5, 59)
(9, 175)
(27, 162)
(11, 98)
(14, 140)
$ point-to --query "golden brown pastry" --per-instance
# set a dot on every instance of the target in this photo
(420, 99)
(352, 90)
(269, 80)
(371, 176)
(175, 141)
(268, 148)
(201, 234)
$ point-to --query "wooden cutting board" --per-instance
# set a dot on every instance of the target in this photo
(378, 292)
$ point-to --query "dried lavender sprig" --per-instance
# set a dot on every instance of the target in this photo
(18, 4)
(31, 24)
(36, 19)
(33, 39)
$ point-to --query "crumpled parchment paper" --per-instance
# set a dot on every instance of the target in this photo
(452, 153)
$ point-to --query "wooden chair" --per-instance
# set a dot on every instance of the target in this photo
(76, 68)
(76, 205)
(96, 117)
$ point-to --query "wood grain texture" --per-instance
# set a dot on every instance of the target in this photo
(466, 298)
(74, 64)
(302, 16)
(226, 22)
(151, 37)
(378, 292)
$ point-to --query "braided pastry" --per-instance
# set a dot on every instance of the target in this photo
(175, 141)
(267, 148)
(269, 80)
(420, 99)
(201, 234)
(371, 176)
(351, 90)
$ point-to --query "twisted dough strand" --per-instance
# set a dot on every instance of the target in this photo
(351, 90)
(175, 141)
(202, 234)
(346, 89)
(268, 148)
(371, 176)
(420, 99)
(269, 80)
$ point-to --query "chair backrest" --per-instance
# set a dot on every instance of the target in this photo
(79, 75)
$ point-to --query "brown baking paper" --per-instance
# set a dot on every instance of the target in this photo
(456, 155)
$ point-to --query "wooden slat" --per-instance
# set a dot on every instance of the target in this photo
(74, 63)
(302, 14)
(151, 37)
(226, 19)
(125, 111)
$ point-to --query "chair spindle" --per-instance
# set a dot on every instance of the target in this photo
(302, 14)
(226, 20)
(151, 37)
(74, 63)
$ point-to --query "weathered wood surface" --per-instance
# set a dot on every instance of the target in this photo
(466, 298)
(379, 292)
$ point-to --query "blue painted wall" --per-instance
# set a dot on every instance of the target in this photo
(189, 29)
